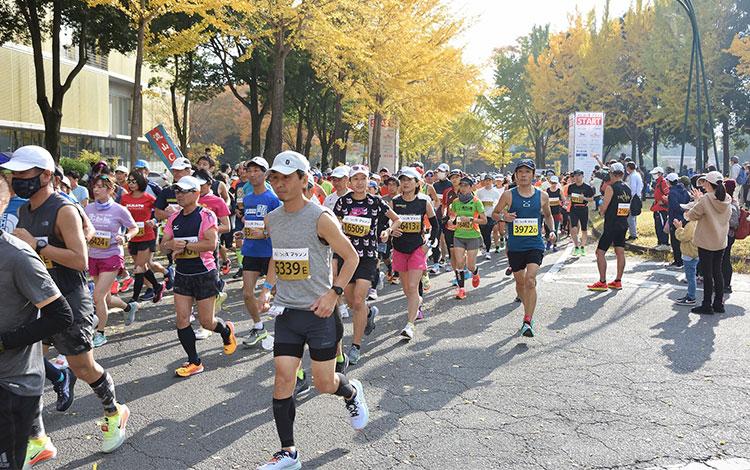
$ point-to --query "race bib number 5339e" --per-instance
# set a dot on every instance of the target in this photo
(291, 264)
(526, 227)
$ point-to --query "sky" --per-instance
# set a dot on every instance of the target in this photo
(497, 23)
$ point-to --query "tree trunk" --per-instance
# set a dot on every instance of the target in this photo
(273, 147)
(725, 143)
(375, 145)
(182, 123)
(338, 131)
(706, 161)
(300, 122)
(655, 146)
(136, 115)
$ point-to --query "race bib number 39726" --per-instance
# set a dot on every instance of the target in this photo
(526, 227)
(291, 264)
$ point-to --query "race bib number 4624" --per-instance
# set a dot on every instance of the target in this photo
(291, 264)
(526, 227)
(101, 239)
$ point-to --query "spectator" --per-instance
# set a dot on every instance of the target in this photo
(678, 195)
(689, 258)
(743, 180)
(735, 168)
(660, 208)
(734, 222)
(712, 213)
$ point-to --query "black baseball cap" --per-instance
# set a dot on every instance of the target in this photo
(577, 172)
(525, 163)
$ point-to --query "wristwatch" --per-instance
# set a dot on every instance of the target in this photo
(40, 245)
(338, 290)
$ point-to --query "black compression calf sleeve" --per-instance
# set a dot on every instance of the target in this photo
(149, 275)
(284, 412)
(222, 328)
(104, 388)
(435, 232)
(345, 388)
(137, 285)
(187, 340)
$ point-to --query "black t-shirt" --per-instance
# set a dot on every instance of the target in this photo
(577, 193)
(554, 201)
(165, 198)
(412, 215)
(616, 215)
(441, 185)
(360, 221)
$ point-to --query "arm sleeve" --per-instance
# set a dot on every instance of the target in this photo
(54, 317)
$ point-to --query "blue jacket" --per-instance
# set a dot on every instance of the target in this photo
(677, 195)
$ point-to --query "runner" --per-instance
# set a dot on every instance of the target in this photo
(32, 309)
(489, 196)
(256, 246)
(498, 231)
(580, 195)
(303, 234)
(466, 213)
(191, 235)
(615, 209)
(340, 182)
(140, 204)
(448, 229)
(53, 227)
(359, 213)
(556, 200)
(523, 207)
(106, 257)
(409, 247)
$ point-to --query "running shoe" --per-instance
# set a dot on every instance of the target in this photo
(509, 271)
(354, 355)
(703, 310)
(488, 256)
(426, 285)
(158, 294)
(549, 246)
(226, 266)
(148, 295)
(231, 346)
(283, 460)
(343, 365)
(461, 293)
(219, 302)
(371, 320)
(615, 285)
(170, 277)
(719, 309)
(527, 330)
(502, 244)
(115, 287)
(467, 274)
(65, 390)
(202, 333)
(238, 274)
(475, 280)
(497, 249)
(343, 311)
(598, 286)
(302, 386)
(126, 283)
(554, 248)
(255, 337)
(685, 301)
(381, 280)
(38, 451)
(454, 282)
(357, 406)
(435, 268)
(113, 429)
(130, 316)
(100, 339)
(448, 268)
(408, 332)
(583, 251)
(187, 369)
(372, 294)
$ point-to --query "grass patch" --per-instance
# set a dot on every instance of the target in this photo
(647, 238)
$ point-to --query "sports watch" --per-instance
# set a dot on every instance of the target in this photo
(338, 290)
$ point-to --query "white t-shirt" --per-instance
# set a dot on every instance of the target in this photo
(331, 199)
(489, 198)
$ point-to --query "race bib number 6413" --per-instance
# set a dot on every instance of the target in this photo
(291, 264)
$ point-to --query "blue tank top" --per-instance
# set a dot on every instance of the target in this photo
(525, 233)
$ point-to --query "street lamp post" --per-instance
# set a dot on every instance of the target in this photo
(696, 62)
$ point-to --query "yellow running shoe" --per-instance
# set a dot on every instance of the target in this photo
(113, 429)
(188, 369)
(38, 451)
(230, 348)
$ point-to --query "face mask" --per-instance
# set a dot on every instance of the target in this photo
(25, 188)
(441, 175)
(464, 198)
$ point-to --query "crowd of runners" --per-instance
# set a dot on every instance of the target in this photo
(311, 248)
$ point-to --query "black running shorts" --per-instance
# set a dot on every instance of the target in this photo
(198, 286)
(256, 264)
(518, 260)
(295, 328)
(612, 237)
(579, 214)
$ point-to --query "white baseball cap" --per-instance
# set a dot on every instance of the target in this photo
(181, 163)
(712, 177)
(617, 168)
(340, 172)
(409, 172)
(672, 177)
(259, 161)
(189, 183)
(443, 167)
(30, 156)
(359, 170)
(66, 181)
(657, 170)
(122, 169)
(288, 162)
(555, 179)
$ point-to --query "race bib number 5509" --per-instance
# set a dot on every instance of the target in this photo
(291, 264)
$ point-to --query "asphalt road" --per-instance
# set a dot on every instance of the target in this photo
(613, 380)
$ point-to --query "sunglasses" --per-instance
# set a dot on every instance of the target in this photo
(131, 180)
(184, 191)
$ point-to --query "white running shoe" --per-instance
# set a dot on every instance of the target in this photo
(343, 311)
(357, 406)
(202, 333)
(283, 459)
(408, 332)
